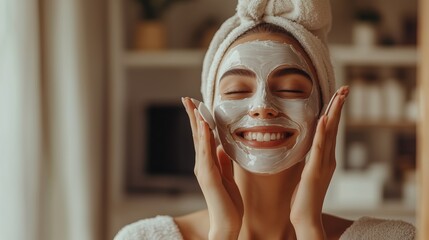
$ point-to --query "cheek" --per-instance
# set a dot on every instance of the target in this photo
(228, 112)
(303, 112)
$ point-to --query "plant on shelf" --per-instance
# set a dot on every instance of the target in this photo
(150, 32)
(368, 15)
(154, 9)
(364, 31)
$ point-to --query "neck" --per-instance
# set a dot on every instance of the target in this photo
(267, 200)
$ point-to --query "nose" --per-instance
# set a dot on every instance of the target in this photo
(264, 113)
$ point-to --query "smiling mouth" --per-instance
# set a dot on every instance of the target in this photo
(266, 137)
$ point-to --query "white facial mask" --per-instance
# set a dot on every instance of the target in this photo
(262, 57)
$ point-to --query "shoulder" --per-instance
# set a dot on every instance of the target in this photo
(194, 226)
(379, 229)
(335, 226)
(160, 227)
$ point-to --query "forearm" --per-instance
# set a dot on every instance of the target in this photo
(224, 227)
(310, 230)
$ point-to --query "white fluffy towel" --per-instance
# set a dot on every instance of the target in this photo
(308, 21)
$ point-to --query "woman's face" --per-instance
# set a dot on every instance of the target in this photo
(266, 102)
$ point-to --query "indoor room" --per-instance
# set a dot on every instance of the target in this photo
(94, 134)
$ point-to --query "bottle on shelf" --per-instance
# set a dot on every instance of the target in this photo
(393, 96)
(356, 105)
(365, 98)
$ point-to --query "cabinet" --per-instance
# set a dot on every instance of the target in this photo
(376, 147)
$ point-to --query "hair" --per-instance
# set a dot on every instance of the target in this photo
(272, 29)
(266, 28)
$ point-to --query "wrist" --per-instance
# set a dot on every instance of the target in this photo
(224, 229)
(312, 229)
(223, 234)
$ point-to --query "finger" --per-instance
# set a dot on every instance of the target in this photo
(200, 139)
(206, 147)
(198, 117)
(228, 178)
(318, 147)
(334, 114)
(225, 164)
(213, 144)
(332, 125)
(189, 106)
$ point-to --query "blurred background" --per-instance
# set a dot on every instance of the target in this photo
(93, 134)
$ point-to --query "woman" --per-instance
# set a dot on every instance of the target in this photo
(267, 81)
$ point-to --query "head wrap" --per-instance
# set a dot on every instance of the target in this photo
(308, 21)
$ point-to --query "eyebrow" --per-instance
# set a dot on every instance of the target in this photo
(239, 72)
(286, 71)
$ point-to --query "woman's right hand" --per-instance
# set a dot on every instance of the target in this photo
(214, 173)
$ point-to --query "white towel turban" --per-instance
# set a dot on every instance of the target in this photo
(308, 21)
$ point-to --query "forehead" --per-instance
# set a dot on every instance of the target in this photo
(263, 57)
(276, 37)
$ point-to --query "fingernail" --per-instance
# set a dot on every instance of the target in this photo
(196, 102)
(321, 119)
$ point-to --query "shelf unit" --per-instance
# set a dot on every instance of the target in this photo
(341, 54)
(379, 57)
(398, 125)
(345, 55)
(180, 58)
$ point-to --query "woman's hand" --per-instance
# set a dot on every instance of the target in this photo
(213, 170)
(307, 201)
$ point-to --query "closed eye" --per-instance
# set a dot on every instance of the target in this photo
(290, 91)
(236, 92)
(237, 84)
(290, 83)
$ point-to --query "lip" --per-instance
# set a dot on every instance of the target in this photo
(288, 139)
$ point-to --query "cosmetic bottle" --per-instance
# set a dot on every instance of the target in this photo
(374, 102)
(356, 103)
(394, 99)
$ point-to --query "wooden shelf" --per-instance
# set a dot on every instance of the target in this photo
(388, 56)
(361, 124)
(168, 58)
(344, 54)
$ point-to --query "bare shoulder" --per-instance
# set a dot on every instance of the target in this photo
(194, 225)
(335, 226)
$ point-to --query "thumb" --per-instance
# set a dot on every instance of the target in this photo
(225, 163)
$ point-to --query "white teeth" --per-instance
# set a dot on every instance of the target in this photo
(260, 137)
(247, 136)
(263, 137)
(267, 137)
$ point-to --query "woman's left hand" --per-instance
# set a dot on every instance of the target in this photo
(307, 201)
